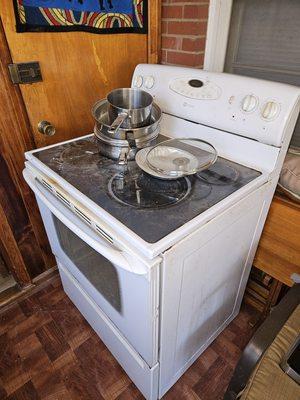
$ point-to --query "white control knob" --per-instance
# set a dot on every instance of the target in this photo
(149, 82)
(249, 103)
(270, 110)
(138, 81)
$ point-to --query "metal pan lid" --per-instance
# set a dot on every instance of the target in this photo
(176, 158)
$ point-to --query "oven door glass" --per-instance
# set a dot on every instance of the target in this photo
(127, 298)
(104, 279)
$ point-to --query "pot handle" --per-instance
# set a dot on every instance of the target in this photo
(118, 122)
(130, 139)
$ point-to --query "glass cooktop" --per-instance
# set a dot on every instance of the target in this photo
(150, 207)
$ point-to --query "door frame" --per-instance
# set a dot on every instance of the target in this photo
(219, 17)
(154, 31)
(23, 238)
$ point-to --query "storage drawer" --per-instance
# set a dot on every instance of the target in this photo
(144, 377)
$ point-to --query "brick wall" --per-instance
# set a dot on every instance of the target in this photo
(184, 25)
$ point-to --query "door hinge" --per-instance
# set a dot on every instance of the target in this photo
(29, 72)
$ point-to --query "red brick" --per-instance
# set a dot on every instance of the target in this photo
(184, 25)
(164, 27)
(186, 28)
(170, 11)
(164, 56)
(188, 59)
(195, 11)
(193, 44)
(199, 2)
(170, 42)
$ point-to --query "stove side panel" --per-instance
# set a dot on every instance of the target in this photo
(203, 282)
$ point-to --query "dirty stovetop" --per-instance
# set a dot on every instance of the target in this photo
(150, 207)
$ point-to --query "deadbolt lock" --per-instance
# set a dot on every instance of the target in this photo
(29, 72)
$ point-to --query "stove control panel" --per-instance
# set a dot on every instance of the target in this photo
(194, 88)
(249, 107)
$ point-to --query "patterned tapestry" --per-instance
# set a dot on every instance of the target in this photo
(98, 16)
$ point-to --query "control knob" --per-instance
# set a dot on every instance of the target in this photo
(138, 81)
(270, 110)
(249, 103)
(149, 82)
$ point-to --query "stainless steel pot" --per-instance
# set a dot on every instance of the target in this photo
(120, 150)
(129, 108)
(101, 115)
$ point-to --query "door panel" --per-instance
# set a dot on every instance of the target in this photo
(78, 68)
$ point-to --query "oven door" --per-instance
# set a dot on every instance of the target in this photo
(124, 288)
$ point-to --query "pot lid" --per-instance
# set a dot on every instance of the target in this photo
(175, 158)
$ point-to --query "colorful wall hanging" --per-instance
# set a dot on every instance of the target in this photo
(98, 16)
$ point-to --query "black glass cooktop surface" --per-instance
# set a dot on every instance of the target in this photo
(150, 207)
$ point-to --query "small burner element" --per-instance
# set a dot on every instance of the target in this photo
(76, 154)
(219, 174)
(143, 191)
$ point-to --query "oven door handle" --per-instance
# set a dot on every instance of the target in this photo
(67, 217)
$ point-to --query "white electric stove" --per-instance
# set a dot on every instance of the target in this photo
(159, 268)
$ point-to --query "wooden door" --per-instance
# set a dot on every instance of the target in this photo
(78, 69)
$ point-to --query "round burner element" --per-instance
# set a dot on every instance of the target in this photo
(143, 191)
(77, 154)
(219, 174)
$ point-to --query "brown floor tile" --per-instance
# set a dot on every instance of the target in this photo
(28, 345)
(79, 385)
(3, 393)
(49, 385)
(26, 392)
(52, 340)
(65, 362)
(102, 368)
(131, 393)
(49, 300)
(11, 318)
(36, 362)
(182, 392)
(227, 350)
(12, 372)
(15, 377)
(30, 305)
(49, 352)
(27, 327)
(71, 323)
(213, 383)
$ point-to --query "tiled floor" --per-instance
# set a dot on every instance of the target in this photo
(48, 351)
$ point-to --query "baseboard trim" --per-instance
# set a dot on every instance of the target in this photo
(16, 294)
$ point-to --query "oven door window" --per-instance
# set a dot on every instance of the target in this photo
(100, 272)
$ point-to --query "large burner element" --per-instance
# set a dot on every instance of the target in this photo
(76, 154)
(143, 191)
